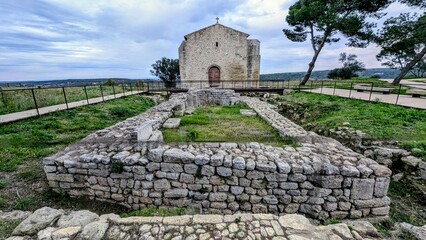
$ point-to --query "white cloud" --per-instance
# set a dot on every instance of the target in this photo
(51, 39)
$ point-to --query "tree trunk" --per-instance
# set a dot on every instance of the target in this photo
(411, 64)
(314, 59)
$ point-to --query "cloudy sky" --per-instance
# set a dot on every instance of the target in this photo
(61, 39)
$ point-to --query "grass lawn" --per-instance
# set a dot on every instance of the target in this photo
(25, 143)
(381, 121)
(224, 124)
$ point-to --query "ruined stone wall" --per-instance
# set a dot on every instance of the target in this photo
(320, 177)
(220, 46)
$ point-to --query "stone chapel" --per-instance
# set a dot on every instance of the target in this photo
(219, 55)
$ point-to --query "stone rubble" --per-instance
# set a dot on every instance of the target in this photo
(90, 226)
(320, 177)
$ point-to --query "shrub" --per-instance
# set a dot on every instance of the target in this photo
(192, 135)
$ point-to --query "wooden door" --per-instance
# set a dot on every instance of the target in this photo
(214, 76)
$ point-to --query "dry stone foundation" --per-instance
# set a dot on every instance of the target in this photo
(48, 223)
(128, 164)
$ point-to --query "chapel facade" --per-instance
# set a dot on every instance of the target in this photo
(219, 55)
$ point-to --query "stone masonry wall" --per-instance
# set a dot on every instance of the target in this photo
(320, 178)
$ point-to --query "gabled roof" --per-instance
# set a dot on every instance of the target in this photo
(247, 35)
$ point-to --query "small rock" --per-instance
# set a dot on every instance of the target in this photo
(40, 219)
(397, 177)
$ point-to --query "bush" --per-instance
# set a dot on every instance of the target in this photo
(110, 82)
(192, 135)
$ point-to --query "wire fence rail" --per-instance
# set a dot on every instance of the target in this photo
(14, 100)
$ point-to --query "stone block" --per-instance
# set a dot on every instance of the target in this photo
(207, 170)
(144, 131)
(380, 170)
(218, 197)
(175, 155)
(328, 181)
(171, 123)
(362, 189)
(171, 167)
(202, 159)
(381, 187)
(161, 185)
(239, 163)
(381, 211)
(176, 193)
(224, 171)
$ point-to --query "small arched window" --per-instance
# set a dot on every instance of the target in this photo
(217, 44)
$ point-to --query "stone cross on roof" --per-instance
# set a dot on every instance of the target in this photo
(217, 20)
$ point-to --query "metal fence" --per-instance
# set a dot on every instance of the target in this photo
(21, 99)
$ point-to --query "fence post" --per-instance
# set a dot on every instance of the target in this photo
(35, 101)
(131, 88)
(334, 90)
(311, 85)
(397, 96)
(102, 93)
(87, 97)
(124, 90)
(65, 97)
(350, 90)
(371, 91)
(2, 96)
(147, 86)
(113, 90)
(322, 84)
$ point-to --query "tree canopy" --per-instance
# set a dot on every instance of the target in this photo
(321, 20)
(403, 41)
(167, 70)
(351, 66)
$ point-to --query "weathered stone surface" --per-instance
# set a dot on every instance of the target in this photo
(37, 221)
(175, 155)
(176, 193)
(224, 171)
(77, 218)
(171, 123)
(95, 230)
(161, 185)
(15, 215)
(241, 226)
(417, 232)
(66, 233)
(295, 221)
(362, 189)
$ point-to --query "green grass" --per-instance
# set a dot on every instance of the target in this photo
(224, 124)
(22, 99)
(350, 84)
(380, 121)
(35, 138)
(3, 183)
(408, 205)
(150, 212)
(7, 227)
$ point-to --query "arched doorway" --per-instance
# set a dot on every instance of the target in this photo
(214, 76)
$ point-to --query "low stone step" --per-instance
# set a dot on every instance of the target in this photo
(248, 112)
(172, 123)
